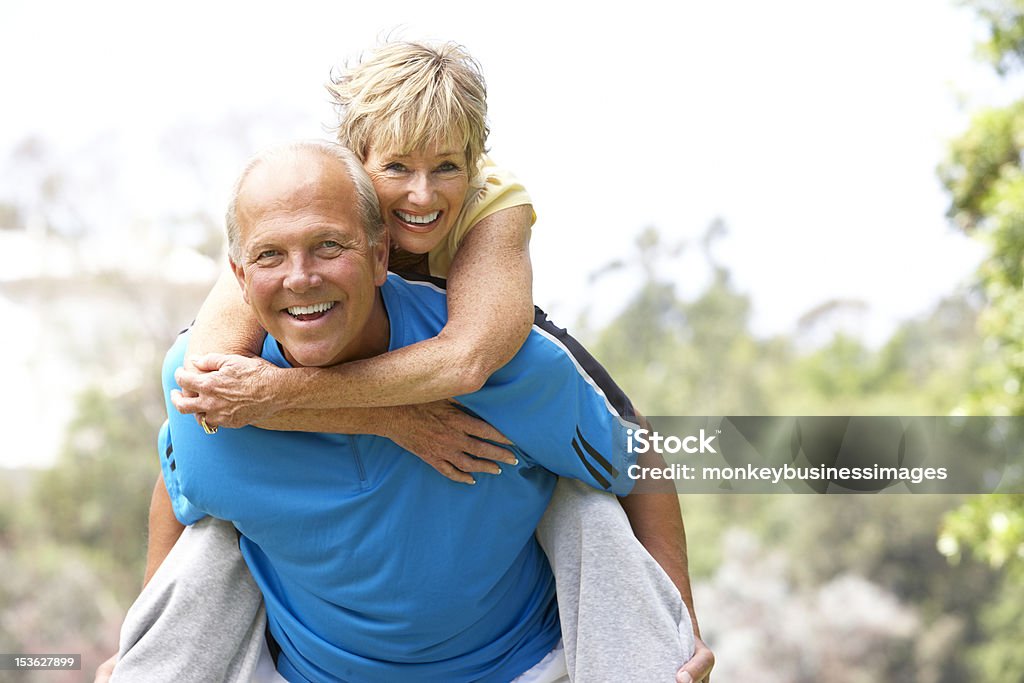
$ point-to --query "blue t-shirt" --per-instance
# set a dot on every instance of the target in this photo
(372, 565)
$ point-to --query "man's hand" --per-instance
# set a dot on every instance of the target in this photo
(229, 390)
(105, 670)
(698, 669)
(449, 440)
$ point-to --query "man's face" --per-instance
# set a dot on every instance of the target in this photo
(306, 266)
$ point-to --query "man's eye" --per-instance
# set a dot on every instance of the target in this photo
(330, 244)
(268, 254)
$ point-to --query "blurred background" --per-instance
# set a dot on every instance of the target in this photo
(744, 208)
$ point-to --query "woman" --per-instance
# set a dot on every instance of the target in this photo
(415, 115)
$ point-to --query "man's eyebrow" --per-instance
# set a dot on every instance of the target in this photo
(256, 248)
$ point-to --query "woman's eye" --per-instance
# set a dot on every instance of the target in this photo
(395, 167)
(448, 167)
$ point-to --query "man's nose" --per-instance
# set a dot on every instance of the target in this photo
(302, 275)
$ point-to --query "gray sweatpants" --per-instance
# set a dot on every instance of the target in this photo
(201, 616)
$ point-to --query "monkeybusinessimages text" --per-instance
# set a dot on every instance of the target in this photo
(642, 441)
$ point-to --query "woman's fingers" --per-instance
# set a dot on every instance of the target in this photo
(488, 451)
(452, 472)
(186, 405)
(187, 380)
(476, 427)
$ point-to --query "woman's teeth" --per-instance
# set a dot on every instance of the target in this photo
(418, 220)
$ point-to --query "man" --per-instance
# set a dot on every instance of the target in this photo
(371, 566)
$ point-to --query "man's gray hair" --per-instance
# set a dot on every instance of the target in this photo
(366, 198)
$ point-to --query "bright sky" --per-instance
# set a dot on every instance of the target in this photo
(811, 127)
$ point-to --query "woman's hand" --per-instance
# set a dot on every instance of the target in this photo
(698, 669)
(228, 390)
(105, 670)
(449, 440)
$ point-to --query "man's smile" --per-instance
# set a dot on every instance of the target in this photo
(310, 312)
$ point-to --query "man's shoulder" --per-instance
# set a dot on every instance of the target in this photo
(175, 357)
(417, 307)
(417, 284)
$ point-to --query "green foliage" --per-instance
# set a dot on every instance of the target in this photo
(829, 579)
(72, 538)
(1001, 657)
(984, 175)
(981, 162)
(985, 179)
(698, 357)
(56, 599)
(1004, 19)
(680, 357)
(991, 529)
(97, 496)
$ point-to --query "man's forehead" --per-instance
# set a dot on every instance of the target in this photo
(297, 182)
(294, 174)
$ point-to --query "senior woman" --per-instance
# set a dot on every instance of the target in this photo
(415, 115)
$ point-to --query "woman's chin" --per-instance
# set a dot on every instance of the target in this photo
(417, 242)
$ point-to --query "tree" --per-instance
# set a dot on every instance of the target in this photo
(984, 175)
(685, 357)
(985, 179)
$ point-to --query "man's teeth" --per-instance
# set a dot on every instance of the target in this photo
(419, 220)
(315, 308)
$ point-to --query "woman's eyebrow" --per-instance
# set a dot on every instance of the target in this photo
(445, 153)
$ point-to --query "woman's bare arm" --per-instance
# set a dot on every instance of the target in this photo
(490, 312)
(164, 529)
(225, 324)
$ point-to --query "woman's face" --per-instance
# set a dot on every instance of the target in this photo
(420, 193)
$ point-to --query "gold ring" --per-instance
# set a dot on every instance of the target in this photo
(207, 428)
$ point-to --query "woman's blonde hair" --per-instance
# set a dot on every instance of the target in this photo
(406, 95)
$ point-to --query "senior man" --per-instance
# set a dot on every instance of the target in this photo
(371, 566)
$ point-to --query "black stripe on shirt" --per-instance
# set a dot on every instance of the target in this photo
(598, 477)
(616, 396)
(438, 282)
(601, 460)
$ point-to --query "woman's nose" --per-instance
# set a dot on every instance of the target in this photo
(421, 190)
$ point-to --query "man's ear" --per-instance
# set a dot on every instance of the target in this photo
(240, 276)
(379, 253)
